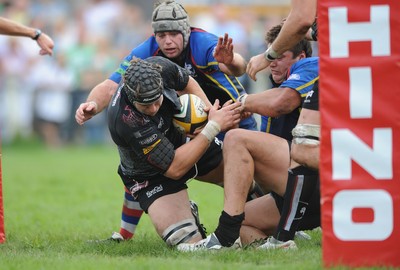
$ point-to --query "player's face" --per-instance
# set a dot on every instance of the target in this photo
(170, 43)
(150, 109)
(280, 66)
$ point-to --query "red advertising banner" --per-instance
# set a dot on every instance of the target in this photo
(360, 131)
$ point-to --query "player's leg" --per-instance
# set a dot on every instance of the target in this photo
(261, 218)
(305, 147)
(302, 179)
(252, 155)
(173, 220)
(131, 214)
(300, 187)
(312, 217)
(216, 175)
(130, 217)
(244, 153)
(248, 155)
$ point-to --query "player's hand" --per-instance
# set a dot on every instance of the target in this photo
(245, 115)
(223, 52)
(229, 102)
(46, 44)
(256, 64)
(85, 112)
(227, 117)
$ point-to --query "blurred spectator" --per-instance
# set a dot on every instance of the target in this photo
(16, 94)
(53, 81)
(220, 22)
(99, 16)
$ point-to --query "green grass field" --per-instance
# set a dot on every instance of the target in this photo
(57, 200)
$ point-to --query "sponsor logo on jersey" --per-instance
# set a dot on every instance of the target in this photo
(309, 95)
(133, 118)
(138, 186)
(218, 141)
(294, 77)
(151, 147)
(155, 190)
(148, 140)
(161, 123)
(191, 70)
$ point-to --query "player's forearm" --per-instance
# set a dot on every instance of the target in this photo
(297, 24)
(8, 27)
(258, 103)
(102, 93)
(237, 68)
(273, 102)
(186, 156)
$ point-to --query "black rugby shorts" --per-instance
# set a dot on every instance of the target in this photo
(160, 185)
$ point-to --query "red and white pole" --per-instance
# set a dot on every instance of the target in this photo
(2, 230)
(360, 131)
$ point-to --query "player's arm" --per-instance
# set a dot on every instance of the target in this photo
(229, 62)
(189, 153)
(9, 27)
(273, 102)
(236, 68)
(97, 101)
(296, 26)
(194, 88)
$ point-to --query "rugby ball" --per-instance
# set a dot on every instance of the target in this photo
(191, 115)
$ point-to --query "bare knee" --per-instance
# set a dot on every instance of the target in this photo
(296, 154)
(305, 147)
(305, 155)
(234, 138)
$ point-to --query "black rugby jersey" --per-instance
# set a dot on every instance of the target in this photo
(145, 143)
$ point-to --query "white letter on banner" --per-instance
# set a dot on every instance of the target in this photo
(342, 32)
(360, 92)
(347, 147)
(346, 229)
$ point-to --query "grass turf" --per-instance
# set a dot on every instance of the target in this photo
(57, 200)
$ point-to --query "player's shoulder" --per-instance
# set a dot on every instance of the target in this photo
(201, 39)
(199, 32)
(202, 45)
(309, 62)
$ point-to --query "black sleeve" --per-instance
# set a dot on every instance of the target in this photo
(151, 147)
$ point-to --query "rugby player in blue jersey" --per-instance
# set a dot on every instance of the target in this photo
(266, 158)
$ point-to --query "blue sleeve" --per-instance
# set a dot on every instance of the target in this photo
(146, 49)
(302, 76)
(202, 47)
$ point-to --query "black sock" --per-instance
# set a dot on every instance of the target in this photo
(300, 186)
(228, 229)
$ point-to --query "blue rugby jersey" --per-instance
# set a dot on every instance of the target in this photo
(301, 77)
(199, 61)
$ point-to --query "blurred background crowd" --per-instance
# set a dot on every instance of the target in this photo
(39, 95)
